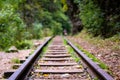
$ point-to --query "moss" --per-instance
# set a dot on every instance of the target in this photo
(72, 52)
(101, 64)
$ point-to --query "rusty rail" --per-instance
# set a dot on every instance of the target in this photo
(100, 72)
(25, 68)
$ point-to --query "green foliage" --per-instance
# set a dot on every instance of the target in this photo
(31, 52)
(63, 20)
(95, 78)
(56, 29)
(113, 25)
(101, 64)
(91, 17)
(25, 44)
(98, 18)
(100, 42)
(21, 20)
(9, 19)
(37, 30)
(111, 12)
(15, 60)
(72, 52)
(44, 49)
(47, 32)
(65, 6)
(63, 1)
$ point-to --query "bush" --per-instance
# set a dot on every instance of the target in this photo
(21, 20)
(91, 17)
(24, 44)
(37, 30)
(11, 26)
(15, 60)
(113, 25)
(56, 28)
(47, 32)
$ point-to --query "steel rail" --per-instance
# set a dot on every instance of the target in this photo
(22, 71)
(100, 72)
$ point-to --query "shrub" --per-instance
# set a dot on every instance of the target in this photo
(91, 17)
(11, 26)
(25, 44)
(15, 60)
(37, 30)
(101, 64)
(56, 28)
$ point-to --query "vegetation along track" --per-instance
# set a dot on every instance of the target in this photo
(58, 61)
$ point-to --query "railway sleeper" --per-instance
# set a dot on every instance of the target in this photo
(54, 65)
(7, 74)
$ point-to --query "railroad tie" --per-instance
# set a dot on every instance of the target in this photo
(57, 62)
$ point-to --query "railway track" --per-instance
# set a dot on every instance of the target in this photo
(54, 62)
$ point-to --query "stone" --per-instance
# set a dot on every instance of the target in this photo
(12, 49)
(65, 75)
(99, 55)
(37, 44)
(78, 66)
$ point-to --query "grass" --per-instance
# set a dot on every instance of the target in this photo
(91, 56)
(44, 49)
(31, 52)
(94, 59)
(26, 44)
(101, 64)
(96, 78)
(113, 42)
(15, 60)
(72, 52)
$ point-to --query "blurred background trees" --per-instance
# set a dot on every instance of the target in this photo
(33, 19)
(98, 17)
(30, 19)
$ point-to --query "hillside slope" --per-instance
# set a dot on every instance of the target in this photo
(107, 50)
